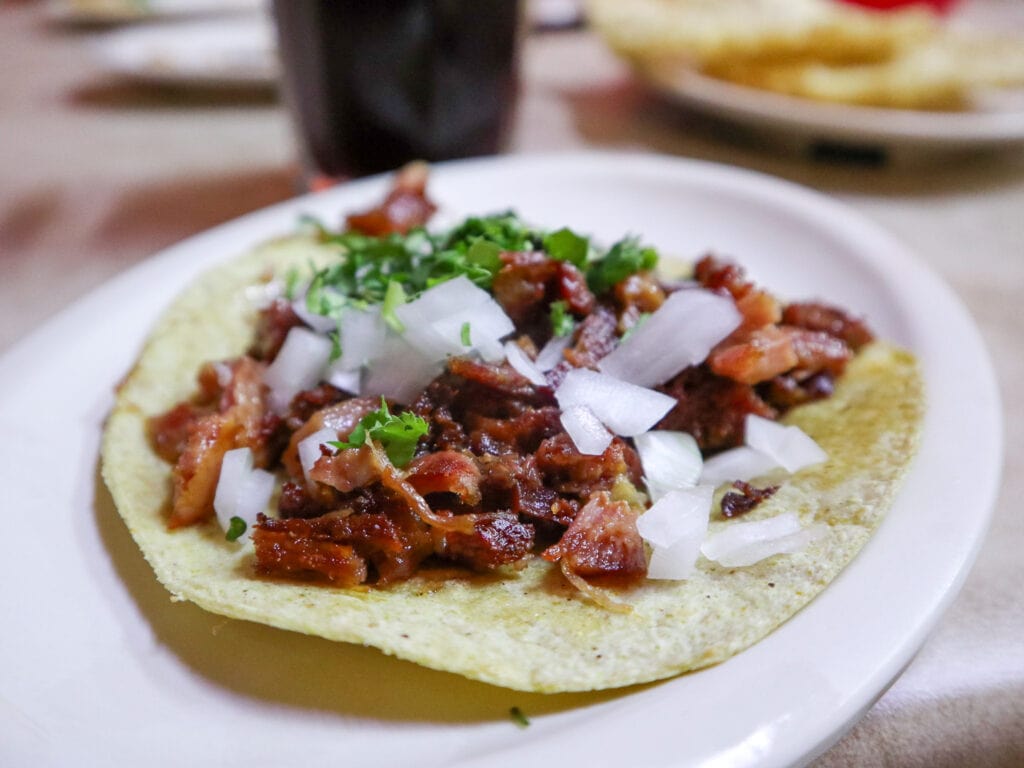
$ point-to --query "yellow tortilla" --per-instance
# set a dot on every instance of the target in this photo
(524, 629)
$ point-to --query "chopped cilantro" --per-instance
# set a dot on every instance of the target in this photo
(566, 245)
(562, 322)
(466, 341)
(236, 528)
(398, 434)
(394, 297)
(623, 259)
(335, 337)
(517, 716)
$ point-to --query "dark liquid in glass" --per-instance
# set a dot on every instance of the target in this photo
(376, 83)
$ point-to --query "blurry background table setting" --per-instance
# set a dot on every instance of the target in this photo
(129, 125)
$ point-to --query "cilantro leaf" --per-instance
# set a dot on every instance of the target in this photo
(464, 334)
(236, 527)
(623, 259)
(562, 322)
(517, 717)
(398, 434)
(566, 245)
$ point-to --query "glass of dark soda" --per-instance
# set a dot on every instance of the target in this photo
(373, 84)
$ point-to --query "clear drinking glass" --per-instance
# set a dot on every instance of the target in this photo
(373, 84)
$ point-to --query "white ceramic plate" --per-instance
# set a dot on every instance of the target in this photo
(996, 119)
(89, 12)
(239, 51)
(99, 667)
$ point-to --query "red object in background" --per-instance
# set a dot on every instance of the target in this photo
(942, 6)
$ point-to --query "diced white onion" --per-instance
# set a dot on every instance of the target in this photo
(298, 366)
(624, 408)
(741, 463)
(674, 526)
(586, 430)
(742, 544)
(362, 335)
(347, 381)
(434, 322)
(552, 352)
(679, 334)
(790, 447)
(319, 323)
(399, 372)
(670, 460)
(309, 448)
(241, 490)
(524, 365)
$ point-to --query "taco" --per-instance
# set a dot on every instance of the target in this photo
(501, 490)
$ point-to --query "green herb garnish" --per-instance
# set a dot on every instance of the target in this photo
(566, 245)
(562, 322)
(236, 527)
(335, 337)
(623, 259)
(517, 716)
(464, 333)
(397, 434)
(394, 297)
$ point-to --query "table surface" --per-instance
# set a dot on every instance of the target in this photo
(97, 174)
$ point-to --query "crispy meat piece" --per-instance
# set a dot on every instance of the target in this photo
(305, 549)
(446, 472)
(602, 543)
(816, 316)
(242, 421)
(272, 326)
(530, 282)
(347, 469)
(638, 294)
(338, 546)
(405, 207)
(499, 380)
(168, 432)
(568, 471)
(711, 408)
(342, 417)
(744, 498)
(512, 481)
(787, 391)
(498, 538)
(523, 432)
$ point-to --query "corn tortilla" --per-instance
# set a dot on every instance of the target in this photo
(525, 629)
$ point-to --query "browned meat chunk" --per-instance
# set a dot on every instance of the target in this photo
(242, 421)
(602, 543)
(711, 408)
(529, 283)
(342, 417)
(568, 471)
(744, 498)
(446, 472)
(816, 316)
(405, 207)
(272, 328)
(498, 538)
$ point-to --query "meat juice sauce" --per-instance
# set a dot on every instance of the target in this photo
(373, 85)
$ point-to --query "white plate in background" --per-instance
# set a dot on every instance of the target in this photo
(92, 12)
(100, 668)
(235, 51)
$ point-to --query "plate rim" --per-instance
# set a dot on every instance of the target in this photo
(786, 748)
(825, 121)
